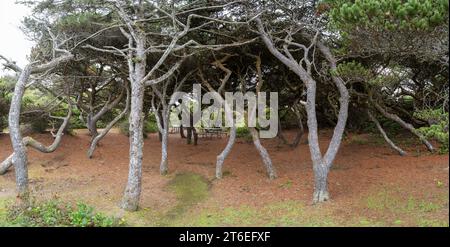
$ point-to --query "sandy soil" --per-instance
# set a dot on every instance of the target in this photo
(362, 169)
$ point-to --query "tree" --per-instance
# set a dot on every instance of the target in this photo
(302, 68)
(19, 157)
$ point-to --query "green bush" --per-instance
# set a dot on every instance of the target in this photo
(124, 127)
(438, 128)
(6, 87)
(54, 213)
(244, 132)
(3, 123)
(149, 127)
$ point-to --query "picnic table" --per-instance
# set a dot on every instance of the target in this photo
(212, 132)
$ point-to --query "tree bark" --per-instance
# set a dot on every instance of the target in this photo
(91, 124)
(189, 135)
(271, 173)
(182, 135)
(130, 201)
(92, 118)
(164, 166)
(386, 138)
(254, 132)
(162, 120)
(195, 135)
(231, 140)
(321, 164)
(105, 131)
(19, 157)
(29, 141)
(229, 112)
(223, 155)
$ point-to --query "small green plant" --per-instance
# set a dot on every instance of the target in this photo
(55, 213)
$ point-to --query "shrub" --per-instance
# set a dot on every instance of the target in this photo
(5, 98)
(124, 127)
(55, 213)
(244, 132)
(438, 128)
(149, 127)
(3, 123)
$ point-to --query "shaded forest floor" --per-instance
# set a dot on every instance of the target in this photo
(369, 184)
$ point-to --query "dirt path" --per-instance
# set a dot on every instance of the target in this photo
(369, 183)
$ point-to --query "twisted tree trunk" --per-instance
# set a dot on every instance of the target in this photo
(29, 141)
(321, 164)
(254, 132)
(263, 153)
(105, 131)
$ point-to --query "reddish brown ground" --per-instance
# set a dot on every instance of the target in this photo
(362, 170)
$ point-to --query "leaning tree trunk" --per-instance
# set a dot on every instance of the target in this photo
(19, 158)
(271, 173)
(105, 131)
(405, 125)
(386, 138)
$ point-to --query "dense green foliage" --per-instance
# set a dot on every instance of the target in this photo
(150, 126)
(438, 128)
(5, 98)
(389, 14)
